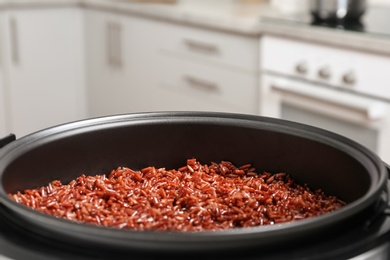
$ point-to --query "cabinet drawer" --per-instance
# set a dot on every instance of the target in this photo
(215, 46)
(210, 87)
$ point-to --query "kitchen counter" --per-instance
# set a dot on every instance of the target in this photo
(248, 19)
(369, 36)
(235, 18)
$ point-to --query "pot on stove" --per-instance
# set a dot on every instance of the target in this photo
(332, 10)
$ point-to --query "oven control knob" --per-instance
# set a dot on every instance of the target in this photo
(324, 73)
(301, 67)
(349, 78)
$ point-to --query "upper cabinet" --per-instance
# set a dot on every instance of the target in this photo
(42, 68)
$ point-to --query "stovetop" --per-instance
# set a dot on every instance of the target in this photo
(375, 21)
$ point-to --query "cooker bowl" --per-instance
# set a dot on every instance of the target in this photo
(319, 158)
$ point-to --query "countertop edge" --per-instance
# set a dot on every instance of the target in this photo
(330, 37)
(164, 12)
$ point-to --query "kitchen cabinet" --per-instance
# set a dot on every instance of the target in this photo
(106, 77)
(188, 85)
(207, 70)
(136, 64)
(42, 67)
(121, 63)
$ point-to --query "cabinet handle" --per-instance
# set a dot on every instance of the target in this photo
(114, 44)
(201, 46)
(202, 84)
(14, 40)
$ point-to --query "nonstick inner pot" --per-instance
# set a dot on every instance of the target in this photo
(319, 158)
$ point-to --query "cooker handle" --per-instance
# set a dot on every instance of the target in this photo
(388, 168)
(384, 206)
(6, 140)
(387, 209)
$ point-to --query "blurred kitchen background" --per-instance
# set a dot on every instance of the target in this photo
(323, 63)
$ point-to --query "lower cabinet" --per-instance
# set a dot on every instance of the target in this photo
(62, 64)
(42, 68)
(202, 69)
(190, 85)
(136, 64)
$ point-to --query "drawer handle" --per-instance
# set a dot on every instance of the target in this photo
(201, 84)
(201, 46)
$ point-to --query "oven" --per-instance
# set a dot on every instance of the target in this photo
(343, 91)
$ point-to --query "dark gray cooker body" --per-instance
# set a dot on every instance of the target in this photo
(314, 156)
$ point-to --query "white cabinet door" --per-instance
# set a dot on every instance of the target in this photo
(105, 74)
(43, 67)
(120, 63)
